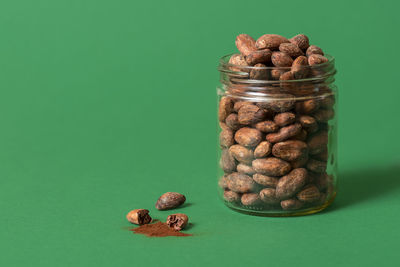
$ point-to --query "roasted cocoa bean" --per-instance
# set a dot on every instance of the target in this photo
(262, 150)
(177, 221)
(245, 44)
(290, 49)
(301, 41)
(280, 59)
(139, 216)
(265, 180)
(246, 169)
(249, 114)
(271, 166)
(267, 126)
(227, 161)
(300, 67)
(290, 150)
(316, 59)
(285, 118)
(268, 195)
(248, 137)
(313, 49)
(242, 154)
(259, 56)
(270, 41)
(250, 199)
(170, 200)
(284, 133)
(290, 184)
(240, 183)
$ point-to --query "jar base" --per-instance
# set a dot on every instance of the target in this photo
(266, 213)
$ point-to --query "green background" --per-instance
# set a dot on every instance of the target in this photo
(105, 105)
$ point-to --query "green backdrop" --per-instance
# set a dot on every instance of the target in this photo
(104, 105)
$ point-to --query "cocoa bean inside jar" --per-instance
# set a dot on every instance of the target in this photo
(277, 131)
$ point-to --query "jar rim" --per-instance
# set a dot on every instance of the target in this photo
(224, 63)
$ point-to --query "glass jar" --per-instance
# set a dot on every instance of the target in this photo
(277, 138)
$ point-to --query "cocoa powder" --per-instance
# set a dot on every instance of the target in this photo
(158, 229)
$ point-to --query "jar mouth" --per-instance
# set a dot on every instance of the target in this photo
(322, 71)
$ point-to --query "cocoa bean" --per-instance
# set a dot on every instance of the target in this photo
(246, 169)
(280, 59)
(309, 194)
(240, 183)
(227, 162)
(290, 184)
(248, 137)
(290, 150)
(301, 41)
(250, 199)
(242, 154)
(170, 200)
(267, 126)
(285, 118)
(226, 138)
(270, 41)
(231, 196)
(245, 44)
(271, 166)
(268, 195)
(249, 114)
(262, 150)
(265, 180)
(284, 133)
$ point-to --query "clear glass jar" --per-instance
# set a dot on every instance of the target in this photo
(277, 138)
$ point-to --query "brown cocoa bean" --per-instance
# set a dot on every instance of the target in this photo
(301, 136)
(307, 107)
(240, 104)
(281, 102)
(322, 180)
(290, 184)
(300, 68)
(242, 154)
(322, 156)
(317, 142)
(139, 216)
(170, 200)
(267, 126)
(308, 123)
(246, 169)
(268, 195)
(227, 162)
(250, 199)
(287, 76)
(299, 163)
(327, 102)
(245, 44)
(316, 59)
(316, 166)
(291, 204)
(225, 108)
(290, 150)
(248, 137)
(276, 73)
(232, 121)
(259, 56)
(280, 59)
(240, 183)
(270, 41)
(231, 196)
(223, 126)
(223, 182)
(271, 166)
(284, 133)
(265, 180)
(262, 150)
(226, 138)
(177, 221)
(240, 61)
(259, 72)
(301, 41)
(313, 49)
(285, 118)
(309, 194)
(324, 115)
(249, 114)
(290, 49)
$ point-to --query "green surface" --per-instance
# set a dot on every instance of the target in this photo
(104, 105)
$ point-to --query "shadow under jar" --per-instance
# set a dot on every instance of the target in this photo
(277, 138)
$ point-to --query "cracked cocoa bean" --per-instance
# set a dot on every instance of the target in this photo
(177, 221)
(139, 216)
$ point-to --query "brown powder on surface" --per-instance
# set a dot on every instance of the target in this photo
(157, 229)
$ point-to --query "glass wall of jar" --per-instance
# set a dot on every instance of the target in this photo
(277, 138)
